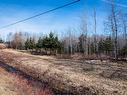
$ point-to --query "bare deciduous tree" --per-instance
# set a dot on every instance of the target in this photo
(83, 35)
(114, 27)
(95, 31)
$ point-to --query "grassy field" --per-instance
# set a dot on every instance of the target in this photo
(89, 77)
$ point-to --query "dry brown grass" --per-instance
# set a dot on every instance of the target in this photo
(89, 77)
(13, 84)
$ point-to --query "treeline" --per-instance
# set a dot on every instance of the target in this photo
(43, 45)
(52, 44)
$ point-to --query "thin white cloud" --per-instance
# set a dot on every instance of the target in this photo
(118, 4)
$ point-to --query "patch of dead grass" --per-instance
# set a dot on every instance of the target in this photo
(13, 84)
(68, 75)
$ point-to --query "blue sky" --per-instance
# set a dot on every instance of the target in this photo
(60, 20)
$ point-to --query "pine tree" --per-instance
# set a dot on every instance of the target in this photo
(27, 44)
(39, 43)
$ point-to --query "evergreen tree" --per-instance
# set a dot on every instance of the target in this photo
(101, 46)
(51, 43)
(123, 51)
(30, 43)
(39, 43)
(27, 44)
(108, 45)
(105, 45)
